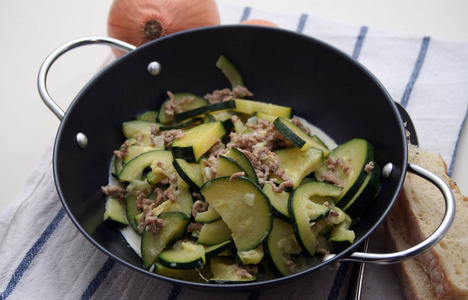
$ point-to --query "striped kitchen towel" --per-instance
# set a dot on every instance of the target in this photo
(44, 256)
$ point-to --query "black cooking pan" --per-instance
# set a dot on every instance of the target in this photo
(323, 85)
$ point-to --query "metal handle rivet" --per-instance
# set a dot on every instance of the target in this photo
(387, 170)
(82, 140)
(154, 68)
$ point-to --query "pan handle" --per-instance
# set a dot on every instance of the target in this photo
(44, 70)
(432, 240)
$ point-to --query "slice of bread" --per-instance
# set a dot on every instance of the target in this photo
(420, 209)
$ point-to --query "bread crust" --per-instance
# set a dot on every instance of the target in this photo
(422, 208)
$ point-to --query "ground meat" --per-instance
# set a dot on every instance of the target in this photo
(123, 150)
(153, 224)
(114, 191)
(264, 161)
(264, 133)
(226, 94)
(291, 266)
(217, 149)
(330, 177)
(194, 227)
(171, 107)
(369, 167)
(170, 194)
(170, 135)
(333, 213)
(197, 196)
(236, 175)
(301, 126)
(199, 206)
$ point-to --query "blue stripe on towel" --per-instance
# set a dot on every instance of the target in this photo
(338, 282)
(416, 71)
(245, 14)
(32, 253)
(359, 42)
(454, 155)
(96, 282)
(174, 293)
(302, 22)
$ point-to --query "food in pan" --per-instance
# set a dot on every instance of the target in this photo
(224, 189)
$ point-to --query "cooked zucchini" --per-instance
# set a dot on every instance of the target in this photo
(214, 233)
(182, 125)
(252, 106)
(279, 247)
(354, 155)
(183, 256)
(225, 270)
(183, 203)
(151, 245)
(230, 71)
(134, 168)
(137, 128)
(341, 235)
(196, 112)
(298, 164)
(115, 211)
(244, 163)
(190, 172)
(278, 201)
(261, 115)
(294, 134)
(167, 119)
(208, 216)
(251, 257)
(217, 249)
(149, 115)
(197, 141)
(227, 167)
(243, 207)
(131, 209)
(189, 275)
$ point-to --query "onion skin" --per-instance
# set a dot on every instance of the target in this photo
(259, 22)
(138, 22)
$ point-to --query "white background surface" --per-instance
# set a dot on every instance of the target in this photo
(31, 29)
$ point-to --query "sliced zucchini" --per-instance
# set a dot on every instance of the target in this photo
(182, 125)
(227, 167)
(294, 134)
(137, 128)
(214, 233)
(167, 119)
(261, 115)
(218, 249)
(197, 141)
(149, 115)
(208, 216)
(243, 207)
(225, 270)
(175, 224)
(188, 275)
(252, 106)
(191, 173)
(134, 168)
(279, 202)
(115, 211)
(244, 163)
(131, 209)
(279, 247)
(319, 144)
(183, 256)
(230, 71)
(298, 164)
(366, 193)
(354, 155)
(183, 203)
(251, 257)
(341, 235)
(196, 112)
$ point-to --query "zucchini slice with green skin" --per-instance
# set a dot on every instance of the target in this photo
(115, 211)
(183, 203)
(230, 71)
(149, 115)
(208, 216)
(131, 209)
(217, 249)
(243, 207)
(167, 119)
(294, 134)
(354, 155)
(197, 141)
(244, 163)
(188, 275)
(183, 256)
(175, 224)
(134, 168)
(303, 211)
(366, 194)
(341, 235)
(251, 257)
(191, 173)
(182, 125)
(196, 112)
(279, 202)
(279, 246)
(224, 270)
(252, 106)
(214, 233)
(298, 164)
(227, 167)
(261, 115)
(319, 144)
(137, 128)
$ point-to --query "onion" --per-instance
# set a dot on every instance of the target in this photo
(140, 21)
(259, 22)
